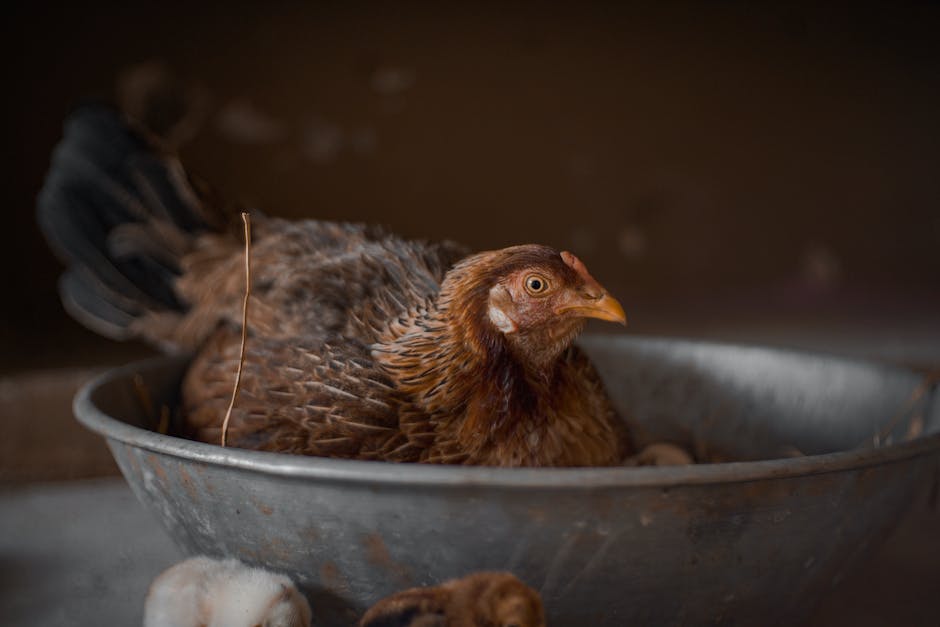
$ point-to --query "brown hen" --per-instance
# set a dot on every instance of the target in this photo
(483, 599)
(361, 344)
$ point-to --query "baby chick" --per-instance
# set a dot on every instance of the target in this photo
(661, 454)
(486, 599)
(203, 592)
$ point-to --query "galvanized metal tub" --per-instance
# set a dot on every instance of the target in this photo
(753, 542)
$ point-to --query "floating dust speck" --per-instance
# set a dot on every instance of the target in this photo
(821, 268)
(389, 81)
(362, 141)
(631, 241)
(161, 101)
(323, 141)
(583, 239)
(241, 122)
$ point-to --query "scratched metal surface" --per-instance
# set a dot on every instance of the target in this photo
(752, 542)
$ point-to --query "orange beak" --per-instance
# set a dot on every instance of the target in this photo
(605, 307)
(592, 300)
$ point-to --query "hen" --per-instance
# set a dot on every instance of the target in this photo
(478, 600)
(361, 344)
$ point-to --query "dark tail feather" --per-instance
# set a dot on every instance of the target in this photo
(121, 215)
(84, 299)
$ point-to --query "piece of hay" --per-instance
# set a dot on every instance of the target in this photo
(241, 357)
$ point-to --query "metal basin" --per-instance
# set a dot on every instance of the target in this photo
(747, 542)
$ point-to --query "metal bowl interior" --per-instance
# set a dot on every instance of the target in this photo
(725, 542)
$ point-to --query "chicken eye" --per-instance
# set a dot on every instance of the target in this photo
(535, 284)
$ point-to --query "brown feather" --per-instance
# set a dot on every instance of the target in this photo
(482, 599)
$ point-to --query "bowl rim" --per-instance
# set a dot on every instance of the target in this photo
(433, 475)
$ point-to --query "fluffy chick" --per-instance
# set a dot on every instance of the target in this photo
(485, 599)
(204, 592)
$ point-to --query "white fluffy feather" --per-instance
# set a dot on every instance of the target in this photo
(203, 592)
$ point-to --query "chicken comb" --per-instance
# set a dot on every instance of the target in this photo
(575, 264)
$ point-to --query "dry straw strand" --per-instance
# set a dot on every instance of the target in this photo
(241, 356)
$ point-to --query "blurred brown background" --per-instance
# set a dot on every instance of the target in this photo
(710, 163)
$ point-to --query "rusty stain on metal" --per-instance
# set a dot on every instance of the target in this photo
(378, 554)
(278, 548)
(310, 534)
(537, 514)
(332, 578)
(133, 463)
(377, 551)
(154, 463)
(265, 509)
(204, 476)
(187, 481)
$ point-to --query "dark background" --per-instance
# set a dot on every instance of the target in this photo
(711, 163)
